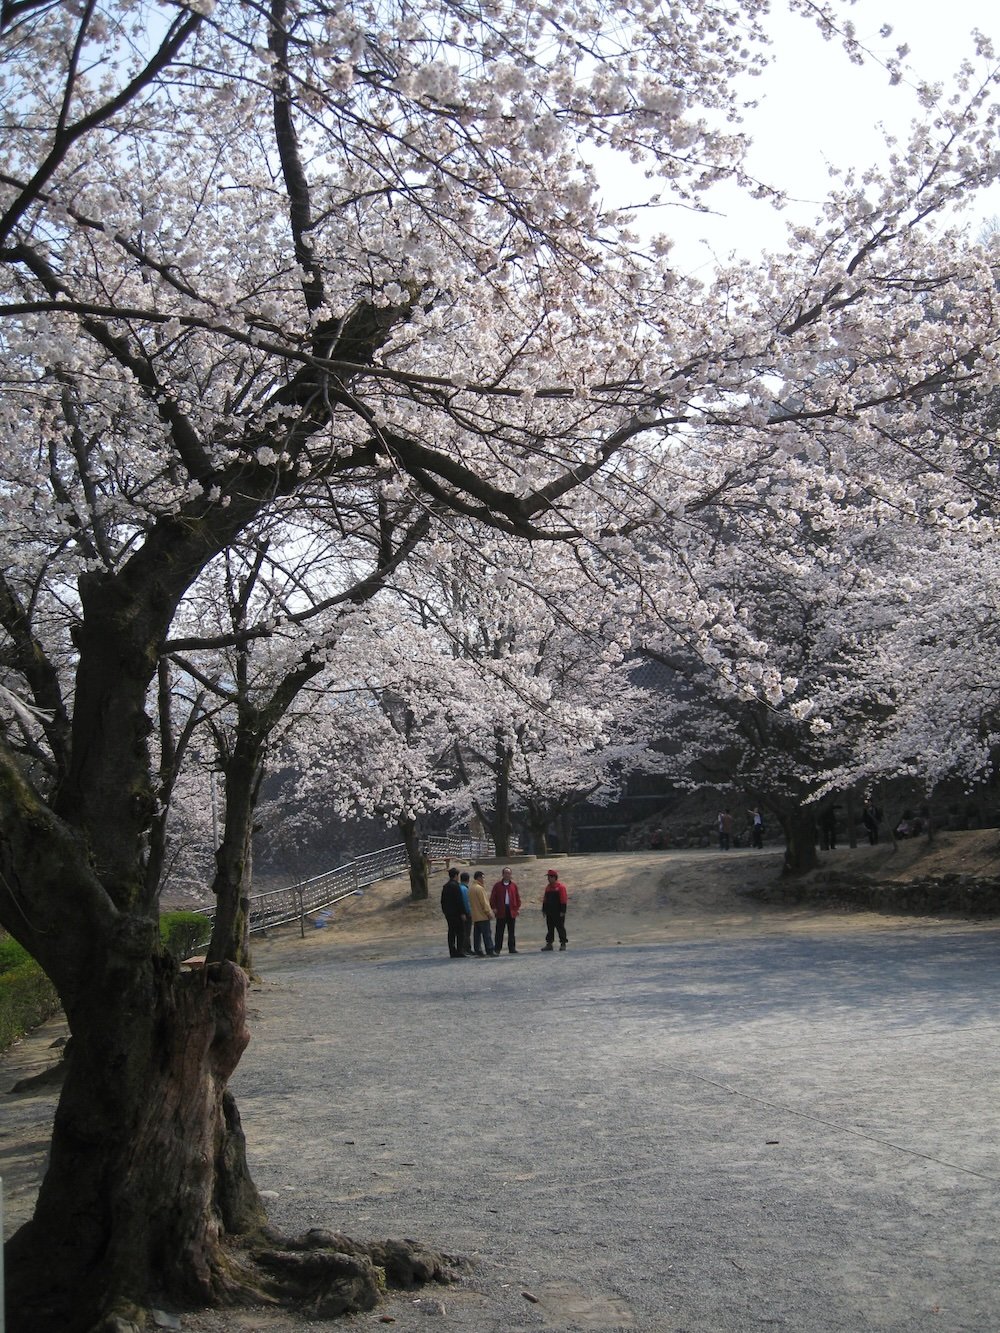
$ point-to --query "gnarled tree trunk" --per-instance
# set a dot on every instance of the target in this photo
(147, 1187)
(147, 1173)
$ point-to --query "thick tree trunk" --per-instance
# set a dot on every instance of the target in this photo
(539, 836)
(501, 797)
(415, 859)
(147, 1172)
(147, 1186)
(799, 826)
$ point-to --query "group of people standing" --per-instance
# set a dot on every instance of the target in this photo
(724, 823)
(470, 913)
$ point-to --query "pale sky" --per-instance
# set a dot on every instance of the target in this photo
(815, 108)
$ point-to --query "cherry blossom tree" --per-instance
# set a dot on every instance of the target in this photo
(911, 682)
(826, 630)
(484, 682)
(376, 729)
(264, 261)
(735, 675)
(469, 648)
(554, 718)
(285, 613)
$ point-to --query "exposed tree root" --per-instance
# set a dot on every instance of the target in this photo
(327, 1274)
(322, 1275)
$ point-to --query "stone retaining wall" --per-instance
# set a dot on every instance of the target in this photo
(928, 895)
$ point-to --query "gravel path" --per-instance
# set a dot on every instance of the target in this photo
(720, 1135)
(713, 1133)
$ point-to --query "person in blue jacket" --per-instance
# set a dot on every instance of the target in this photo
(467, 937)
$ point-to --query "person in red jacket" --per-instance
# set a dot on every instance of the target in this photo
(506, 903)
(554, 906)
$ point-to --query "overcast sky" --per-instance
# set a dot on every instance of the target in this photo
(816, 108)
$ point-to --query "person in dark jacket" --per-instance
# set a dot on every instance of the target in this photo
(453, 907)
(554, 907)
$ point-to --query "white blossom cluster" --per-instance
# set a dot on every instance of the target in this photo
(333, 391)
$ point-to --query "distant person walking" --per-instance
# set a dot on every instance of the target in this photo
(725, 831)
(554, 901)
(453, 907)
(482, 918)
(506, 903)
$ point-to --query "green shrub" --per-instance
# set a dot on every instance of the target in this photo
(184, 933)
(27, 998)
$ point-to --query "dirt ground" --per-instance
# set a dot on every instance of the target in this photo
(631, 897)
(698, 903)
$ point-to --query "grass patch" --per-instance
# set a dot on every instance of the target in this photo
(12, 954)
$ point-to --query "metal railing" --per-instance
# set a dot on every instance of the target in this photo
(461, 847)
(312, 897)
(276, 907)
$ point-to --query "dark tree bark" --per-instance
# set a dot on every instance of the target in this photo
(243, 770)
(799, 827)
(147, 1185)
(416, 862)
(497, 820)
(146, 1172)
(501, 801)
(539, 826)
(143, 1122)
(143, 1159)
